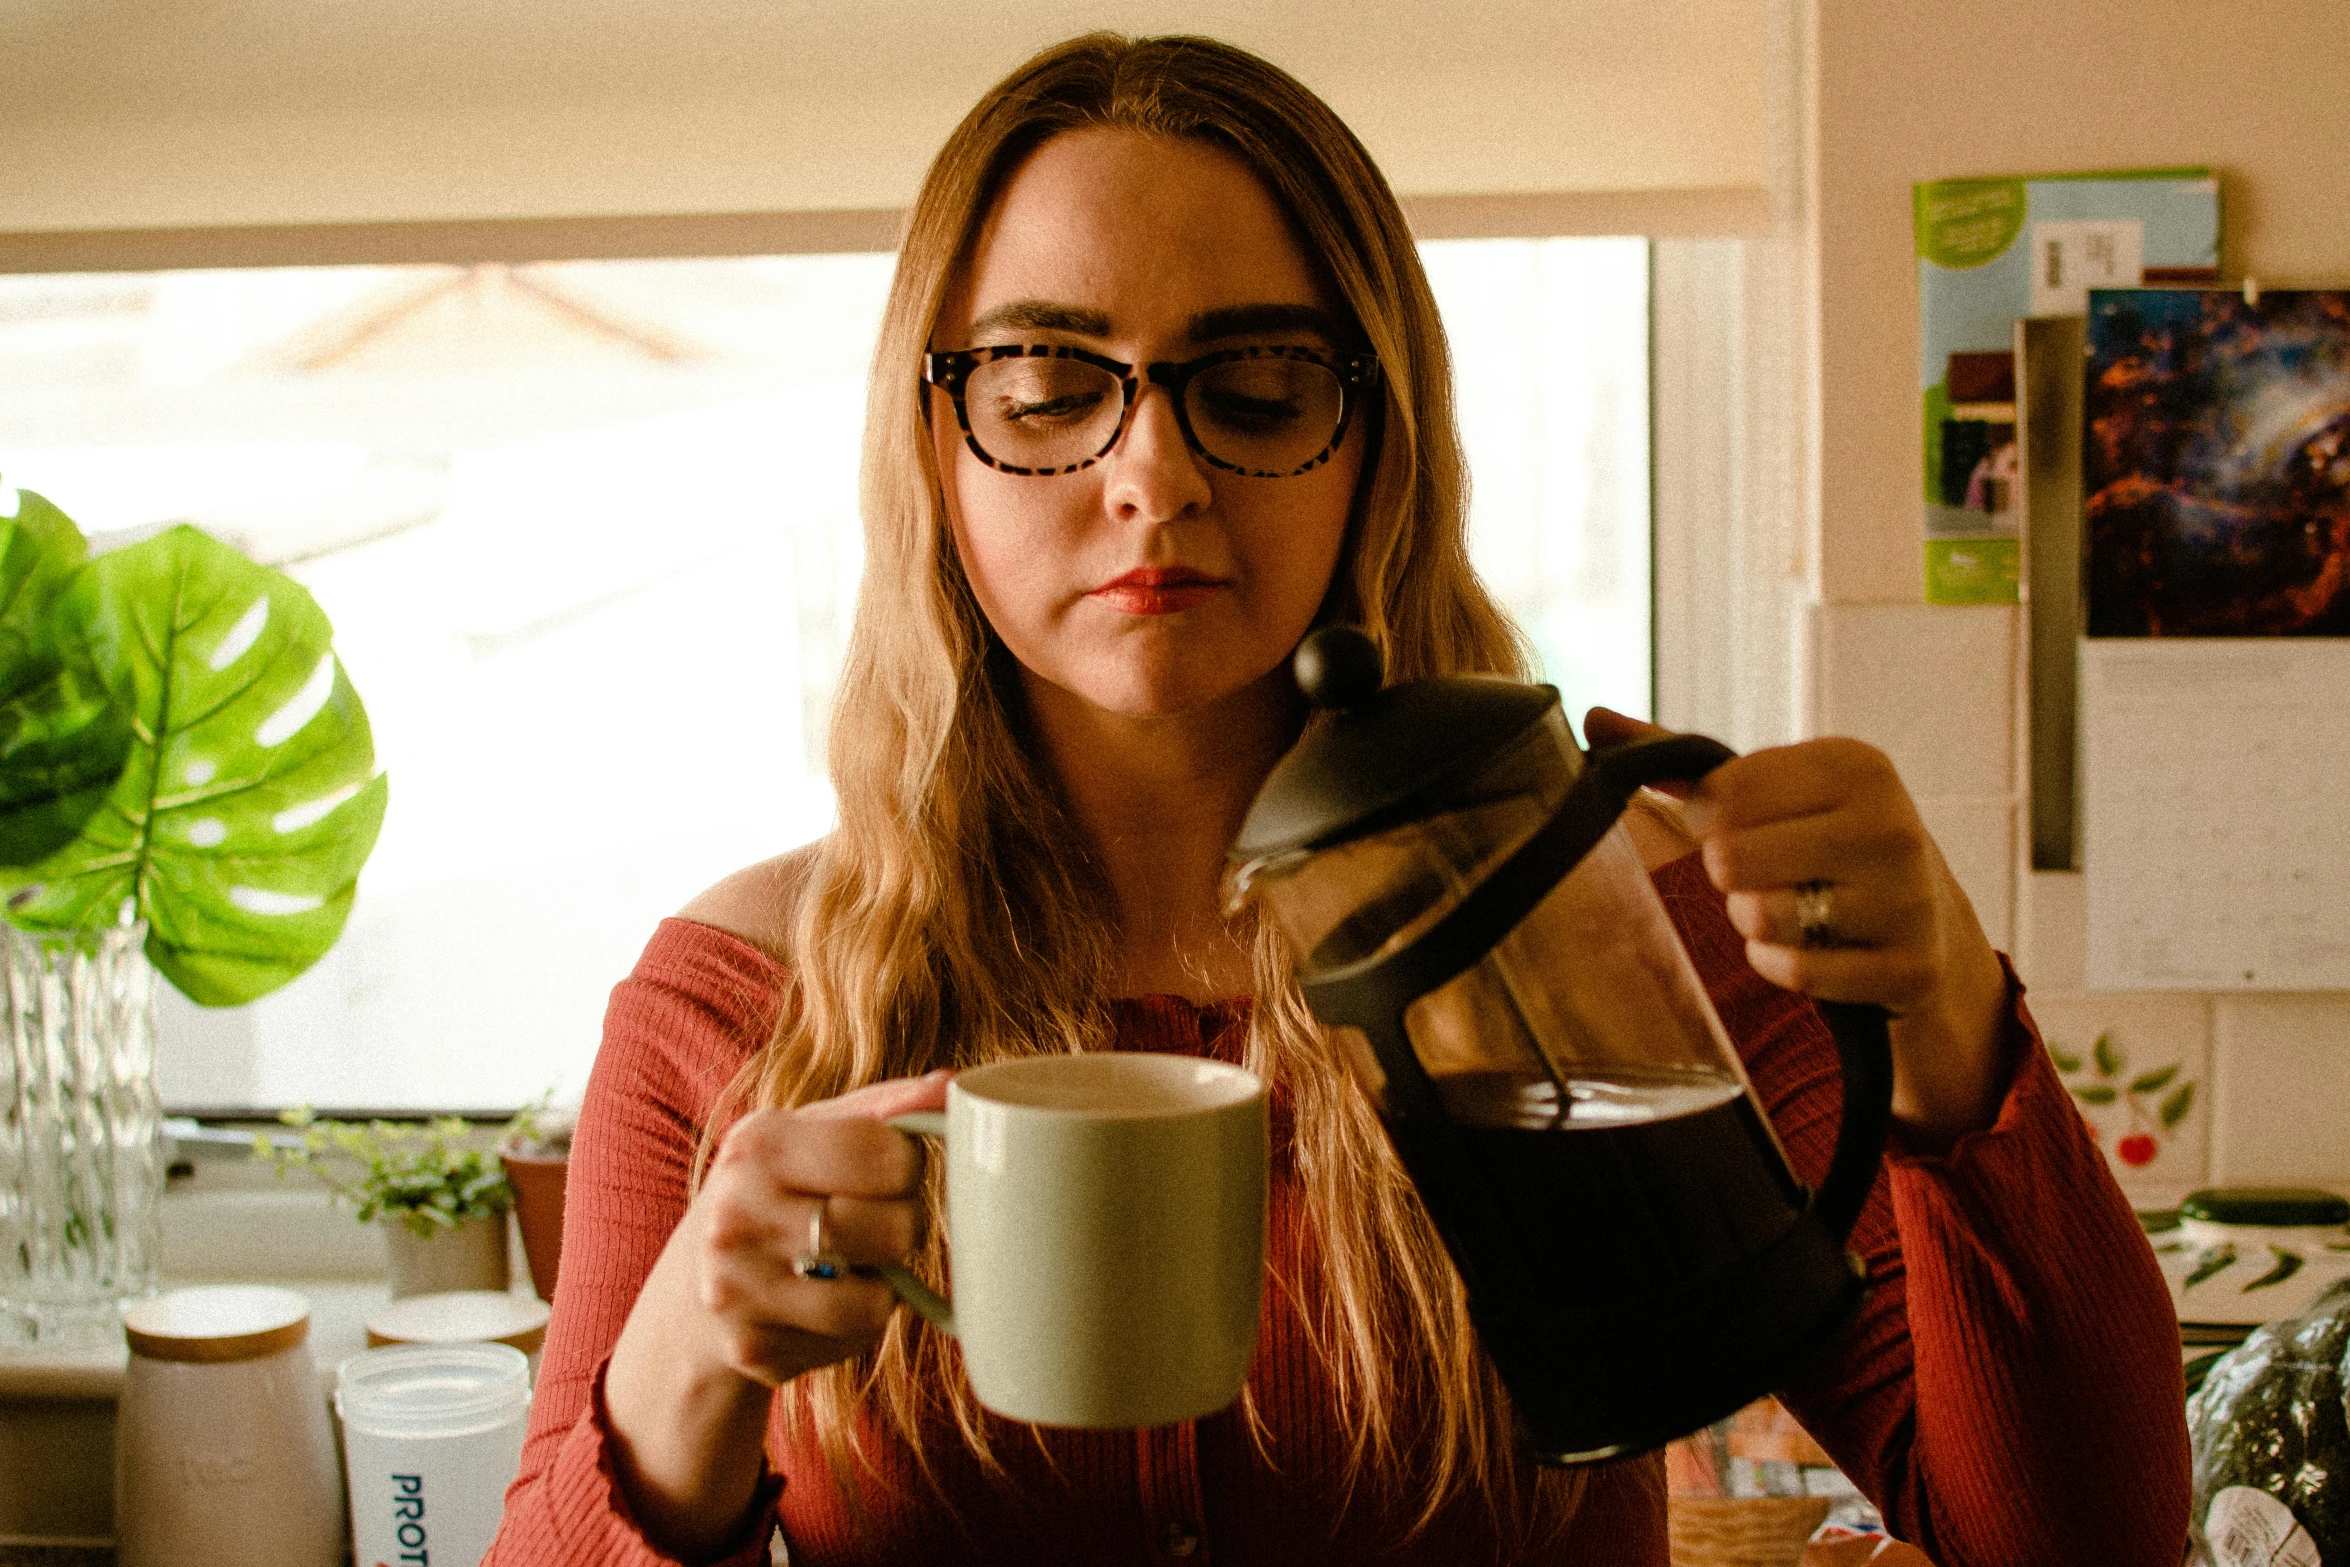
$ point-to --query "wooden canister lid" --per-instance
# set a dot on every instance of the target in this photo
(461, 1317)
(214, 1323)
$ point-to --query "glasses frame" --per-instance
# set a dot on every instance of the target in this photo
(950, 370)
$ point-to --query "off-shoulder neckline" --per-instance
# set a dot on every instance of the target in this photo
(702, 930)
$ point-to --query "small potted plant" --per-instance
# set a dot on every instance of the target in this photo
(436, 1190)
(187, 787)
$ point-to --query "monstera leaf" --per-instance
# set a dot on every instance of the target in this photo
(249, 798)
(62, 744)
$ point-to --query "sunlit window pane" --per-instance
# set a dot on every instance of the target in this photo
(1550, 358)
(587, 535)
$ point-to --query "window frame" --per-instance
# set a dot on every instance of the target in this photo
(1728, 585)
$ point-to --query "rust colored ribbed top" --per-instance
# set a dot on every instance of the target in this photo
(2011, 1396)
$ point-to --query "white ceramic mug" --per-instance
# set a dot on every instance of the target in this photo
(1106, 1235)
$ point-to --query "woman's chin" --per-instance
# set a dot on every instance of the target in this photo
(1156, 691)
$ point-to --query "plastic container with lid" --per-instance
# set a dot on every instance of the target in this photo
(432, 1436)
(224, 1454)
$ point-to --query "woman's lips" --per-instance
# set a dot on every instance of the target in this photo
(1158, 590)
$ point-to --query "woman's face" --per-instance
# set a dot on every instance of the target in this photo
(1152, 582)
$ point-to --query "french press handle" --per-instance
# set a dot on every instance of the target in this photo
(1864, 1044)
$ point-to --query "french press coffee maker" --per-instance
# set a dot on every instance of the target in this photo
(1474, 924)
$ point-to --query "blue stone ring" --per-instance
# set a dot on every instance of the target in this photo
(819, 1261)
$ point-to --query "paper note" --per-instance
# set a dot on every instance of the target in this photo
(2071, 258)
(2215, 838)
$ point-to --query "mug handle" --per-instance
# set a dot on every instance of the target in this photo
(926, 1301)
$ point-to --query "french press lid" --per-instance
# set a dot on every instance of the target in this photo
(1381, 755)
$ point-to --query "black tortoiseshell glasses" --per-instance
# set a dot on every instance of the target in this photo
(1047, 408)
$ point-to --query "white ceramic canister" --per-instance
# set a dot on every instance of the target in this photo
(224, 1455)
(432, 1436)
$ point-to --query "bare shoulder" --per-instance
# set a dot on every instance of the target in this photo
(755, 902)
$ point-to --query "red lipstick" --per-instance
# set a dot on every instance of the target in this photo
(1158, 590)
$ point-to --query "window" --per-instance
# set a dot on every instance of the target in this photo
(1550, 369)
(587, 533)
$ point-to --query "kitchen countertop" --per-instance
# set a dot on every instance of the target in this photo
(57, 1428)
(231, 1222)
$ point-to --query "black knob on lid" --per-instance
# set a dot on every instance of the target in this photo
(1338, 667)
(1380, 753)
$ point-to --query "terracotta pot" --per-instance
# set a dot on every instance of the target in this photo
(470, 1256)
(537, 1179)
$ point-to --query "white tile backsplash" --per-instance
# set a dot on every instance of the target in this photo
(2050, 929)
(2148, 1095)
(1976, 838)
(1934, 688)
(2281, 1089)
(1930, 686)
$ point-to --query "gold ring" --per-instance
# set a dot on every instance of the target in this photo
(1815, 914)
(819, 1261)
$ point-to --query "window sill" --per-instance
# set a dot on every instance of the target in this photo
(339, 1309)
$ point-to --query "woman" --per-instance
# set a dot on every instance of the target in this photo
(1066, 682)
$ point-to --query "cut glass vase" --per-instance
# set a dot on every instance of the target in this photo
(81, 1134)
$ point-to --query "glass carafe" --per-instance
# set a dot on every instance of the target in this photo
(1476, 926)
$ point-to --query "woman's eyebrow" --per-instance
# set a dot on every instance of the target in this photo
(1258, 320)
(1042, 315)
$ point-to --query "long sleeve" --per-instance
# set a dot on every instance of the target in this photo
(2012, 1395)
(676, 1032)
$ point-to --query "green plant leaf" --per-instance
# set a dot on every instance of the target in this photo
(62, 745)
(2095, 1093)
(2148, 1082)
(250, 799)
(2175, 1108)
(2065, 1060)
(2288, 1264)
(427, 1177)
(2109, 1060)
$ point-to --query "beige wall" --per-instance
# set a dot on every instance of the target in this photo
(1908, 91)
(1912, 90)
(116, 116)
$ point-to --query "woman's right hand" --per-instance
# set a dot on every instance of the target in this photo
(754, 1213)
(723, 1318)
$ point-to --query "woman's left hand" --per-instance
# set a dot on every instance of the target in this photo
(1889, 923)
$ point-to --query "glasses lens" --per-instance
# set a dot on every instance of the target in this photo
(1042, 413)
(1265, 416)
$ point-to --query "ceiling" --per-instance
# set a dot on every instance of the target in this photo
(180, 111)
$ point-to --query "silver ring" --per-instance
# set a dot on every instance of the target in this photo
(1815, 914)
(819, 1261)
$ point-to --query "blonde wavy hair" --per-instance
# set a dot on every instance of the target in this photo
(954, 917)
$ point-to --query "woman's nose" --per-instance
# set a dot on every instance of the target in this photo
(1154, 476)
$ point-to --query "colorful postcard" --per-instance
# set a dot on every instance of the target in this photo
(1992, 252)
(2216, 464)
